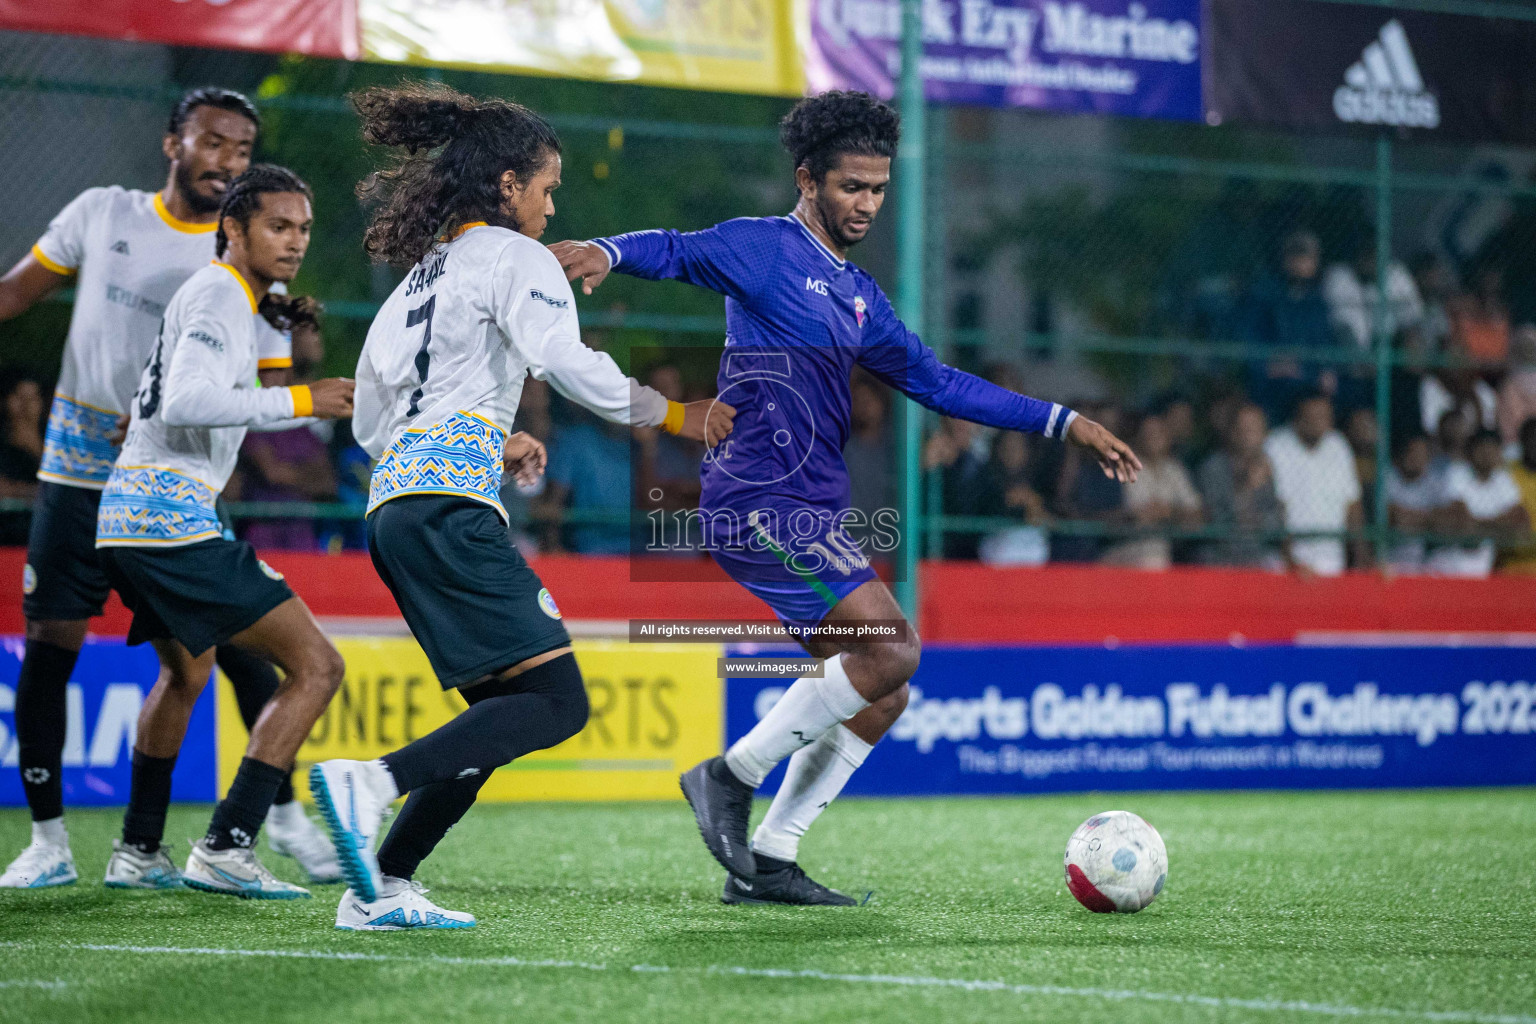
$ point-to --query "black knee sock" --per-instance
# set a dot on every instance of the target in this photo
(254, 681)
(505, 720)
(238, 818)
(428, 814)
(41, 721)
(149, 797)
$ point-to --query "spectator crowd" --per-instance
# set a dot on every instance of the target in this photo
(1272, 465)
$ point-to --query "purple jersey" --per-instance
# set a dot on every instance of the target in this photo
(797, 320)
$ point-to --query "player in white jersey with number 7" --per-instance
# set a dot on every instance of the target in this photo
(484, 307)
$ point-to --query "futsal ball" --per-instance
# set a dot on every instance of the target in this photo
(1116, 863)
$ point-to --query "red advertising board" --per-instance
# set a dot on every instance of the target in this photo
(320, 28)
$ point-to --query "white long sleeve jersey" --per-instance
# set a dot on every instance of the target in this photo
(196, 399)
(128, 256)
(442, 370)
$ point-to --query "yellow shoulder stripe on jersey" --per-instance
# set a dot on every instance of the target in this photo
(278, 363)
(465, 227)
(186, 227)
(250, 296)
(57, 268)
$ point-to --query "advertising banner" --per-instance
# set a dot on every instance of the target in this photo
(1308, 65)
(102, 702)
(726, 45)
(1101, 56)
(656, 711)
(320, 28)
(1029, 720)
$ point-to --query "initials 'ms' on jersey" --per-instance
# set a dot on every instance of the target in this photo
(442, 370)
(128, 256)
(196, 398)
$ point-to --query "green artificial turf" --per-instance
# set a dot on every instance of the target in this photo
(1416, 906)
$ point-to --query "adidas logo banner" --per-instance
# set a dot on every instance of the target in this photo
(1384, 86)
(1311, 65)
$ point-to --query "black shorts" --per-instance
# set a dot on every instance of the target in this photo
(198, 594)
(63, 580)
(470, 599)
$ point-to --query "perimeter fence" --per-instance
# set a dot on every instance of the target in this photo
(1190, 286)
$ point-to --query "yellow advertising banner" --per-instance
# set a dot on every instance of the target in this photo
(657, 709)
(724, 45)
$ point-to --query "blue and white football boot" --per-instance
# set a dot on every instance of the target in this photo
(131, 868)
(236, 872)
(401, 906)
(352, 797)
(42, 864)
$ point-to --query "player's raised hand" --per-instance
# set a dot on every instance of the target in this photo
(332, 398)
(586, 260)
(525, 458)
(710, 421)
(1114, 455)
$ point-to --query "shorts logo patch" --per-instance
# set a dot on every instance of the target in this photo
(269, 570)
(28, 579)
(547, 604)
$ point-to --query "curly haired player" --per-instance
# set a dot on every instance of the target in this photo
(799, 317)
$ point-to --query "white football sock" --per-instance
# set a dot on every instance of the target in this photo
(807, 710)
(816, 774)
(50, 831)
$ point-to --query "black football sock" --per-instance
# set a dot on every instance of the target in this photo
(149, 797)
(767, 864)
(428, 814)
(41, 721)
(506, 719)
(254, 681)
(238, 818)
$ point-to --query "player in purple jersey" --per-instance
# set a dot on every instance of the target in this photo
(775, 498)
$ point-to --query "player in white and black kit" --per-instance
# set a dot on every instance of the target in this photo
(484, 307)
(162, 546)
(127, 251)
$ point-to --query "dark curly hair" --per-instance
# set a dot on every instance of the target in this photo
(244, 196)
(822, 128)
(211, 96)
(456, 149)
(290, 312)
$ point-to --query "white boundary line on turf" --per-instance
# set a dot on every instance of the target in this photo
(902, 980)
(28, 983)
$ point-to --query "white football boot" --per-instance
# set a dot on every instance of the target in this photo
(237, 872)
(291, 833)
(130, 868)
(352, 797)
(401, 906)
(45, 862)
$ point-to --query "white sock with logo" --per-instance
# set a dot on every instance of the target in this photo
(807, 710)
(816, 774)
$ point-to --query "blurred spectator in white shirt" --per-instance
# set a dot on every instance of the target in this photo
(1482, 498)
(1517, 395)
(1415, 494)
(1350, 289)
(1162, 498)
(1315, 479)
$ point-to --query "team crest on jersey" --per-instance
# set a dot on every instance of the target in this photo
(547, 604)
(269, 570)
(120, 247)
(858, 309)
(28, 579)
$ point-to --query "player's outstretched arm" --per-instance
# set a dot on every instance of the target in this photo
(587, 262)
(26, 284)
(1114, 455)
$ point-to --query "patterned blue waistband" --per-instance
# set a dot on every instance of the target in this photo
(461, 455)
(77, 448)
(144, 505)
